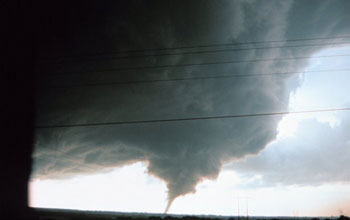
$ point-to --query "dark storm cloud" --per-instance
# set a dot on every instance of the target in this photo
(315, 155)
(180, 153)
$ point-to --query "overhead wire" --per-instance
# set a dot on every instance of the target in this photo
(186, 79)
(188, 119)
(193, 78)
(196, 64)
(202, 52)
(212, 45)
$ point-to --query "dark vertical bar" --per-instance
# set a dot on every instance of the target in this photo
(17, 89)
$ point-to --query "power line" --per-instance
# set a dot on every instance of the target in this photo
(198, 64)
(201, 52)
(214, 45)
(188, 119)
(187, 79)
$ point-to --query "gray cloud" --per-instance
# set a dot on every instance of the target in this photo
(315, 155)
(180, 153)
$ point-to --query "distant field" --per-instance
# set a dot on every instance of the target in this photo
(65, 214)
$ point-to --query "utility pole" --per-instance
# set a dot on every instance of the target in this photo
(247, 206)
(238, 206)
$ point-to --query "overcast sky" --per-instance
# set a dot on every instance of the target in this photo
(269, 151)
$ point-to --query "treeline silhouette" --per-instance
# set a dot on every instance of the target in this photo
(170, 218)
(52, 214)
(342, 217)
